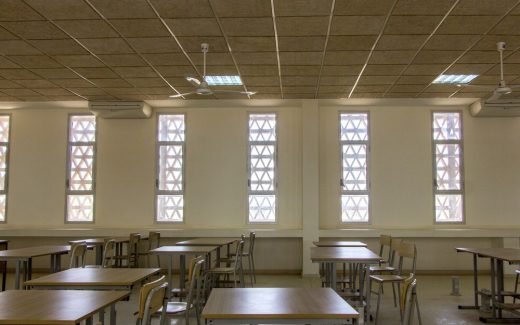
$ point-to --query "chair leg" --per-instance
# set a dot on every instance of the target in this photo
(379, 294)
(4, 279)
(253, 263)
(393, 290)
(250, 270)
(417, 307)
(516, 288)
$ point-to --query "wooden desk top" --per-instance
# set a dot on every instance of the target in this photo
(344, 254)
(52, 307)
(289, 303)
(3, 241)
(339, 243)
(101, 241)
(182, 250)
(94, 277)
(209, 241)
(29, 252)
(511, 255)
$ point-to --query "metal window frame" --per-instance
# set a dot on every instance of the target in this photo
(343, 192)
(435, 191)
(158, 145)
(68, 169)
(275, 171)
(7, 144)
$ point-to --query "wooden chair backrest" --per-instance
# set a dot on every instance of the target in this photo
(109, 251)
(238, 255)
(77, 254)
(195, 284)
(385, 240)
(133, 243)
(154, 238)
(407, 250)
(151, 300)
(252, 238)
(191, 265)
(394, 247)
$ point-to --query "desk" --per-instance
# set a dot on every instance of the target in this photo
(357, 255)
(182, 251)
(99, 244)
(210, 241)
(338, 243)
(24, 256)
(51, 307)
(497, 257)
(277, 306)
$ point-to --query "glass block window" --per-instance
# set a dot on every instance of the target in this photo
(262, 174)
(81, 158)
(448, 185)
(171, 147)
(354, 182)
(5, 121)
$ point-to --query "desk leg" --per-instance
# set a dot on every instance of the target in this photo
(182, 271)
(368, 291)
(29, 269)
(500, 285)
(17, 277)
(218, 257)
(170, 266)
(88, 321)
(493, 288)
(475, 286)
(333, 275)
(113, 314)
(102, 316)
(99, 254)
(57, 260)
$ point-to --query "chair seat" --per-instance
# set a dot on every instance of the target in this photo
(382, 269)
(517, 271)
(222, 270)
(175, 307)
(387, 278)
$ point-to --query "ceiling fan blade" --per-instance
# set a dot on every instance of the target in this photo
(181, 95)
(193, 81)
(233, 92)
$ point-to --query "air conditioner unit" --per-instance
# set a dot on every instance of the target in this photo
(496, 108)
(120, 109)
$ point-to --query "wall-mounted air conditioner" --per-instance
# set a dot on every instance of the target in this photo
(120, 109)
(496, 108)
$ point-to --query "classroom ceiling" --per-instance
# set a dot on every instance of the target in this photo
(144, 49)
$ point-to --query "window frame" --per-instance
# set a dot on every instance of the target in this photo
(368, 192)
(68, 169)
(158, 145)
(275, 169)
(7, 167)
(462, 191)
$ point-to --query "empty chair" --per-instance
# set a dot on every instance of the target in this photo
(250, 257)
(389, 267)
(235, 269)
(109, 249)
(409, 300)
(151, 299)
(405, 251)
(181, 293)
(154, 241)
(385, 242)
(132, 253)
(77, 254)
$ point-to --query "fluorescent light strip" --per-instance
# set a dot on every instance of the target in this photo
(223, 80)
(454, 78)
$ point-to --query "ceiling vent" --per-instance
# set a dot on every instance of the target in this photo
(120, 110)
(496, 108)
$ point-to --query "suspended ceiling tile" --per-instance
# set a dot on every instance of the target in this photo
(302, 26)
(400, 95)
(17, 47)
(143, 72)
(113, 82)
(341, 70)
(455, 25)
(357, 25)
(491, 79)
(255, 58)
(35, 83)
(407, 25)
(508, 26)
(54, 92)
(183, 8)
(59, 47)
(101, 97)
(194, 26)
(370, 94)
(34, 30)
(363, 7)
(509, 70)
(391, 57)
(176, 70)
(167, 59)
(299, 96)
(8, 84)
(299, 90)
(265, 90)
(123, 60)
(55, 73)
(301, 70)
(154, 44)
(299, 80)
(248, 26)
(471, 95)
(89, 91)
(19, 92)
(451, 42)
(193, 43)
(302, 7)
(440, 88)
(337, 80)
(480, 57)
(377, 80)
(332, 95)
(425, 69)
(423, 7)
(5, 35)
(428, 56)
(400, 42)
(95, 28)
(64, 98)
(123, 91)
(483, 7)
(305, 44)
(140, 27)
(79, 60)
(36, 61)
(242, 8)
(124, 8)
(260, 81)
(78, 82)
(345, 57)
(433, 95)
(96, 73)
(384, 69)
(59, 9)
(17, 74)
(107, 45)
(146, 82)
(463, 68)
(8, 63)
(267, 96)
(336, 89)
(258, 70)
(300, 58)
(17, 10)
(488, 42)
(407, 88)
(412, 80)
(252, 44)
(353, 43)
(512, 57)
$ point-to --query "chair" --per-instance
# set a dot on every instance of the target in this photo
(77, 255)
(3, 265)
(193, 298)
(154, 239)
(409, 300)
(250, 257)
(132, 252)
(151, 299)
(181, 293)
(385, 241)
(109, 249)
(406, 250)
(236, 269)
(389, 268)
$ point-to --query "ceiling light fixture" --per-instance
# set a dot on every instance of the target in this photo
(223, 80)
(454, 78)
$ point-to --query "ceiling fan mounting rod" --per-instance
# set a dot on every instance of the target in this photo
(204, 47)
(501, 46)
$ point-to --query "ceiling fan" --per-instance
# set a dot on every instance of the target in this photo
(202, 87)
(503, 88)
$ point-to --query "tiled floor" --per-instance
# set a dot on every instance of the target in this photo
(437, 305)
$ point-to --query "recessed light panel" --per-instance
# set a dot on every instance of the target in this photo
(223, 80)
(454, 78)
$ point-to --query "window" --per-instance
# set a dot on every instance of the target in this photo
(448, 185)
(5, 121)
(80, 184)
(354, 182)
(169, 184)
(261, 166)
